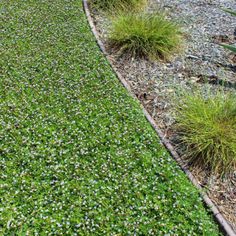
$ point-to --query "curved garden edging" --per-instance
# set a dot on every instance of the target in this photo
(225, 227)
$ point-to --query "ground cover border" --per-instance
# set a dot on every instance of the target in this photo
(224, 225)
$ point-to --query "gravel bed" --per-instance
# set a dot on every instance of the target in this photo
(202, 65)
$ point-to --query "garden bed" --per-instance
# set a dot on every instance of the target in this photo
(78, 156)
(203, 66)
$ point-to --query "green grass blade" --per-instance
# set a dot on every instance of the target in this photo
(230, 11)
(230, 47)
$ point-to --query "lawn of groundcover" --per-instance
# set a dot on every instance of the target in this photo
(77, 156)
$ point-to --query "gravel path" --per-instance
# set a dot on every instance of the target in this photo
(202, 65)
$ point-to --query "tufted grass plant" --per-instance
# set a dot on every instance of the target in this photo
(118, 5)
(207, 126)
(145, 35)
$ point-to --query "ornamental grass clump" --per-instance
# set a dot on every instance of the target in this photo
(145, 35)
(120, 5)
(207, 126)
